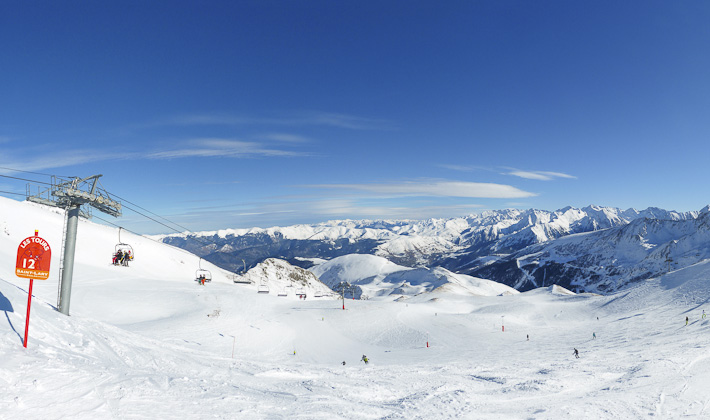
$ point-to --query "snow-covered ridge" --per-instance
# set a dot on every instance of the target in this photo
(376, 276)
(498, 221)
(455, 243)
(608, 260)
(280, 278)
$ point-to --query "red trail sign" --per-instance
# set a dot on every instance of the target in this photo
(33, 259)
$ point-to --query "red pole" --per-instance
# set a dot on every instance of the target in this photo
(27, 320)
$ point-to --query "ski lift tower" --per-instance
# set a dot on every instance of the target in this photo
(669, 260)
(70, 195)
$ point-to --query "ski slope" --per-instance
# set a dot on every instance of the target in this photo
(147, 342)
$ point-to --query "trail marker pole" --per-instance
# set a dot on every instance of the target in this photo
(27, 319)
(502, 325)
(342, 295)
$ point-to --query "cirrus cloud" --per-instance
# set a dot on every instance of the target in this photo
(539, 175)
(436, 188)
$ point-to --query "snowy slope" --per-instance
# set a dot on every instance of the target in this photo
(378, 277)
(147, 342)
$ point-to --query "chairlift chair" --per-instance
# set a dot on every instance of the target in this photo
(202, 273)
(199, 274)
(318, 294)
(300, 292)
(236, 278)
(124, 248)
(263, 288)
(283, 293)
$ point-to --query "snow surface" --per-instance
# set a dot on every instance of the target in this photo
(378, 277)
(147, 342)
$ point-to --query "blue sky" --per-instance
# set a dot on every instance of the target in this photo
(231, 114)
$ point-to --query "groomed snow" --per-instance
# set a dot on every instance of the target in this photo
(147, 342)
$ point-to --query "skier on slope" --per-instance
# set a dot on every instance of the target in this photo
(576, 353)
(365, 359)
(686, 320)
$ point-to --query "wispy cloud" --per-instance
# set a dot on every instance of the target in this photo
(285, 138)
(539, 175)
(216, 147)
(60, 159)
(315, 118)
(430, 188)
(204, 147)
(203, 183)
(347, 121)
(285, 213)
(464, 168)
(355, 209)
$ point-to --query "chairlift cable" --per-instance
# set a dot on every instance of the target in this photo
(138, 234)
(25, 179)
(9, 192)
(31, 172)
(157, 215)
(194, 238)
(127, 230)
(148, 217)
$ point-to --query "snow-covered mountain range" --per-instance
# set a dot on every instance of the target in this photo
(497, 245)
(607, 260)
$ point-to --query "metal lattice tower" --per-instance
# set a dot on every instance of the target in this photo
(71, 195)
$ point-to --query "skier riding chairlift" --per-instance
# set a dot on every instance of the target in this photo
(124, 249)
